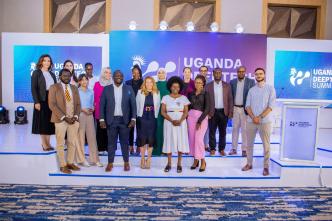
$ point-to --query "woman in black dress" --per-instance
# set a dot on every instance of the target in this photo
(41, 80)
(148, 105)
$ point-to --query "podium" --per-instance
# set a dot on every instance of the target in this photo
(299, 131)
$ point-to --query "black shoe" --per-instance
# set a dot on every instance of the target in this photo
(167, 168)
(179, 169)
(202, 169)
(195, 165)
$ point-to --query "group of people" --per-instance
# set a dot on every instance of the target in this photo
(175, 115)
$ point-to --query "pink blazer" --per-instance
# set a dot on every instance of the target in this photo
(98, 90)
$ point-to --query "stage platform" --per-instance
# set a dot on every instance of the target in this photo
(23, 162)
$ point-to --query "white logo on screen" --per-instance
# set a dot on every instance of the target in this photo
(32, 67)
(297, 77)
(153, 66)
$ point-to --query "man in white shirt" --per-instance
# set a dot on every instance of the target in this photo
(221, 109)
(240, 87)
(118, 115)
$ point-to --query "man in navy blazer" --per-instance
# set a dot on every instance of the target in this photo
(118, 115)
(240, 87)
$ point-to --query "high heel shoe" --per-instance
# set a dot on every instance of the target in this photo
(148, 163)
(202, 168)
(167, 168)
(47, 148)
(195, 165)
(179, 169)
(143, 166)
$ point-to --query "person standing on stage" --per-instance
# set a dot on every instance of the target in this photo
(148, 105)
(162, 87)
(64, 101)
(260, 102)
(175, 111)
(240, 88)
(89, 73)
(203, 70)
(68, 64)
(118, 115)
(41, 81)
(188, 83)
(221, 109)
(198, 122)
(105, 79)
(136, 83)
(87, 125)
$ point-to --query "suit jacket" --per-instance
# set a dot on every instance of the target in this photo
(38, 85)
(140, 101)
(57, 102)
(107, 104)
(227, 98)
(248, 83)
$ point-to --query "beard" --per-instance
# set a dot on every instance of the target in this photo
(260, 80)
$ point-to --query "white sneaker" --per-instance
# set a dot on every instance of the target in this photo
(85, 164)
(98, 164)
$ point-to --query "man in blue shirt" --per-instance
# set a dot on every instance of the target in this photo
(260, 101)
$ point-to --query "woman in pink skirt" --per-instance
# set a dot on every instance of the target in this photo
(198, 122)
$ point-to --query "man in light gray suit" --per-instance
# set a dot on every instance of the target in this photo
(118, 114)
(240, 87)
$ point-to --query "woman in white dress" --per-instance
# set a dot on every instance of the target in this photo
(175, 111)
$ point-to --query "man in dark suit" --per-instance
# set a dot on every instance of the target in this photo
(240, 88)
(118, 114)
(221, 108)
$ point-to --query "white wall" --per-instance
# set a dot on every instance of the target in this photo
(21, 15)
(247, 13)
(124, 11)
(328, 25)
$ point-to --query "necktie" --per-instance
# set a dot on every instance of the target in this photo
(67, 95)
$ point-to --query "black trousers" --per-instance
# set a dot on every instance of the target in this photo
(101, 135)
(219, 120)
(131, 136)
(120, 129)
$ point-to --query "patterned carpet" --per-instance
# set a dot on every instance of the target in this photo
(36, 202)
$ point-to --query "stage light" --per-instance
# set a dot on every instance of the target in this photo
(214, 27)
(239, 28)
(163, 25)
(190, 26)
(4, 116)
(132, 25)
(21, 115)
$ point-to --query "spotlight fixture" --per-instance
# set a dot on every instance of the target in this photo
(214, 27)
(21, 115)
(190, 26)
(239, 28)
(132, 25)
(163, 26)
(4, 115)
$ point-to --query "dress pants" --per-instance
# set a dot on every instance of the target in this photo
(87, 127)
(239, 121)
(120, 129)
(196, 137)
(132, 136)
(264, 131)
(219, 120)
(72, 134)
